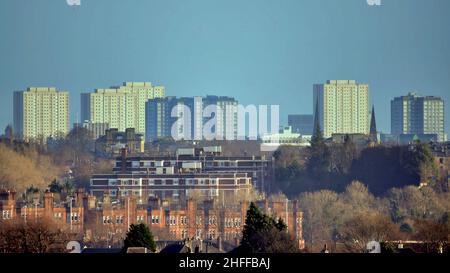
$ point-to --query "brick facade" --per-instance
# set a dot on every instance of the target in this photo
(205, 220)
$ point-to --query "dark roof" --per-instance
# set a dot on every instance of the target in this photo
(101, 250)
(176, 175)
(193, 157)
(175, 248)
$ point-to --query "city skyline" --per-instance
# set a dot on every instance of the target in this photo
(136, 91)
(232, 127)
(282, 48)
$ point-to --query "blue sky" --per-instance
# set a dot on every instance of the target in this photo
(259, 51)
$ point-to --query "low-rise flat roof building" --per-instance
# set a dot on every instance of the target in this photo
(114, 141)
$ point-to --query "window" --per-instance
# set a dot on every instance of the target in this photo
(211, 234)
(75, 217)
(6, 214)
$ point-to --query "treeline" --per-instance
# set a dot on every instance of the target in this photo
(334, 166)
(398, 196)
(42, 236)
(31, 167)
(77, 150)
(24, 168)
(347, 221)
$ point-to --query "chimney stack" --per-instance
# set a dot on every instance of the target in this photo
(124, 160)
(79, 194)
(48, 203)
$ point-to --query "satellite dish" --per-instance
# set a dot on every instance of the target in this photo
(73, 2)
(74, 246)
(373, 247)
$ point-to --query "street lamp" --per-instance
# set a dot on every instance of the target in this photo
(69, 200)
(128, 212)
(25, 216)
(287, 215)
(36, 203)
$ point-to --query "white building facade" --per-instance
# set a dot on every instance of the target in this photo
(343, 107)
(120, 107)
(41, 112)
(414, 114)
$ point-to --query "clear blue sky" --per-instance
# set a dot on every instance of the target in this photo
(259, 51)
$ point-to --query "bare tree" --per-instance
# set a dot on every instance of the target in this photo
(21, 170)
(32, 237)
(435, 235)
(322, 212)
(357, 232)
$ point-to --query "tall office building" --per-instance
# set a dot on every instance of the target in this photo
(96, 130)
(121, 107)
(162, 113)
(414, 114)
(226, 116)
(158, 117)
(343, 107)
(160, 121)
(41, 112)
(301, 124)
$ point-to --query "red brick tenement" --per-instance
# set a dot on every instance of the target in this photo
(205, 220)
(68, 214)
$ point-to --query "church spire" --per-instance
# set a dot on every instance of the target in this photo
(373, 122)
(373, 126)
(316, 117)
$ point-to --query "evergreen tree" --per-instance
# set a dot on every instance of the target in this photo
(9, 134)
(280, 225)
(420, 160)
(320, 156)
(263, 234)
(254, 221)
(68, 187)
(55, 186)
(139, 236)
(349, 153)
(80, 139)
